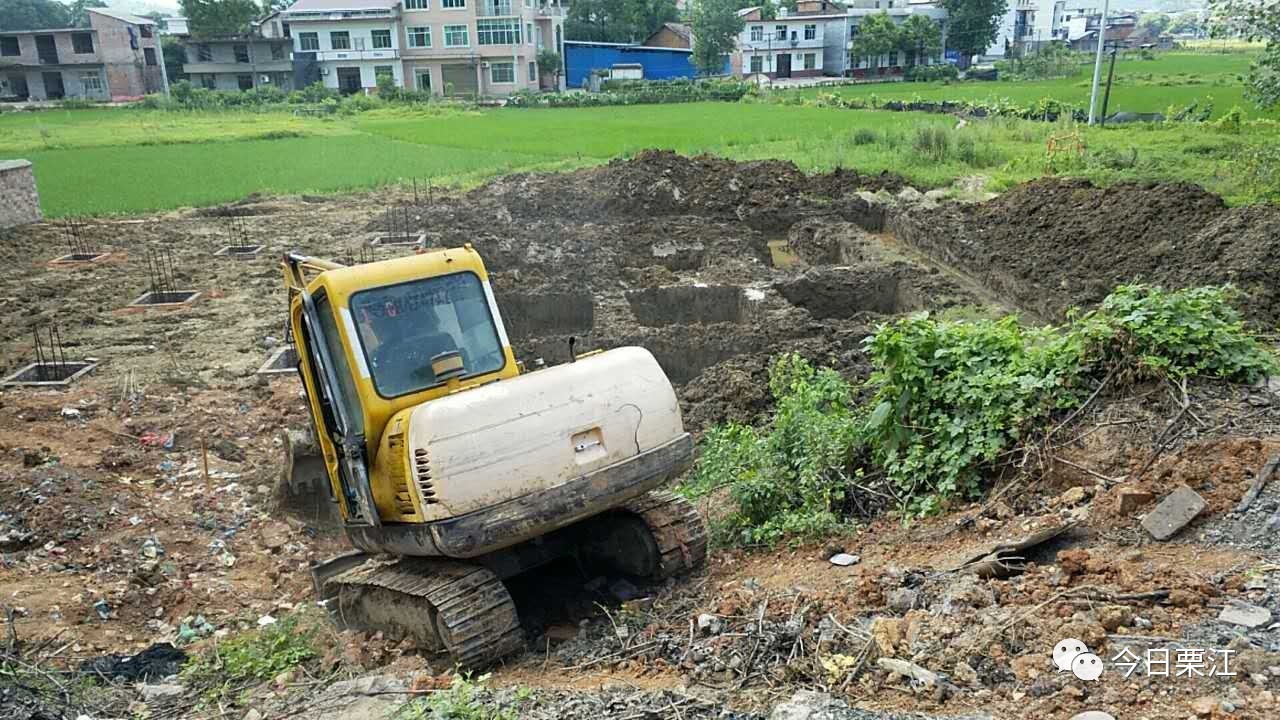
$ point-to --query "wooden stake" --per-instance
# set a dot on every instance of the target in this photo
(204, 454)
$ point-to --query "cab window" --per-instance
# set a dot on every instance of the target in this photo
(351, 400)
(402, 327)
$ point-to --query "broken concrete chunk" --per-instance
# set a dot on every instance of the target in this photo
(907, 669)
(1173, 513)
(709, 624)
(1244, 614)
(844, 559)
(902, 600)
(1130, 499)
(804, 705)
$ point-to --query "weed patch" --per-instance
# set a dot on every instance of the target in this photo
(223, 669)
(949, 402)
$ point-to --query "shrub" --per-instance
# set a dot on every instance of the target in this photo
(932, 143)
(931, 73)
(464, 699)
(864, 136)
(638, 92)
(789, 481)
(949, 401)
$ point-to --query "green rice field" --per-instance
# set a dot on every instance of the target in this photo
(121, 160)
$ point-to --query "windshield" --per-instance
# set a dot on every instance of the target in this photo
(402, 327)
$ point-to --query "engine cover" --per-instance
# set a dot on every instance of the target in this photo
(540, 430)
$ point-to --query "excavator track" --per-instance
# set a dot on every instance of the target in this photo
(677, 529)
(466, 607)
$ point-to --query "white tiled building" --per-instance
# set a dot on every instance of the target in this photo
(353, 42)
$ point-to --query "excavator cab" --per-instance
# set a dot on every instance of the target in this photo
(435, 450)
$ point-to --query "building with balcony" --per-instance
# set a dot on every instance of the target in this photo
(842, 31)
(116, 58)
(239, 62)
(347, 44)
(480, 47)
(790, 45)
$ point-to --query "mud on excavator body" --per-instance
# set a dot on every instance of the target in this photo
(428, 445)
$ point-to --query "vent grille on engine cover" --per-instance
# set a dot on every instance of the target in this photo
(422, 468)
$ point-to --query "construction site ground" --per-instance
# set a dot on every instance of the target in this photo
(140, 497)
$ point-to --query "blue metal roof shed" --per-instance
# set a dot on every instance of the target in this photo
(659, 63)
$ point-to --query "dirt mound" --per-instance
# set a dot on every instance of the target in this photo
(662, 182)
(1053, 243)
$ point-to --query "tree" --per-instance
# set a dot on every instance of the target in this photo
(877, 35)
(1187, 22)
(219, 17)
(79, 11)
(1254, 20)
(715, 25)
(974, 25)
(617, 20)
(270, 6)
(1153, 24)
(33, 15)
(919, 37)
(549, 62)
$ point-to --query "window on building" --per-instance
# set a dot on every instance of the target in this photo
(149, 56)
(424, 80)
(757, 33)
(82, 43)
(811, 32)
(359, 43)
(417, 4)
(810, 61)
(757, 64)
(145, 30)
(456, 35)
(91, 82)
(420, 36)
(502, 72)
(498, 32)
(381, 71)
(381, 39)
(779, 32)
(9, 46)
(284, 30)
(528, 33)
(453, 4)
(244, 82)
(309, 41)
(204, 53)
(209, 82)
(528, 3)
(340, 40)
(533, 72)
(277, 52)
(242, 53)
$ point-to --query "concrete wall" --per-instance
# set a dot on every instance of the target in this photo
(19, 201)
(128, 75)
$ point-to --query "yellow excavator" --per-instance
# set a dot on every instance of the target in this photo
(451, 469)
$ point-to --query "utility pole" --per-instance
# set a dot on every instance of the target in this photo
(1106, 97)
(1097, 63)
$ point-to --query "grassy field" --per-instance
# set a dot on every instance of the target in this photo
(126, 160)
(1174, 78)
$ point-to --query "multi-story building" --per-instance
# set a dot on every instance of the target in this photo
(484, 47)
(458, 47)
(350, 43)
(239, 63)
(790, 45)
(116, 58)
(817, 39)
(841, 33)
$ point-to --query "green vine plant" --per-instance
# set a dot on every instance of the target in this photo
(948, 402)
